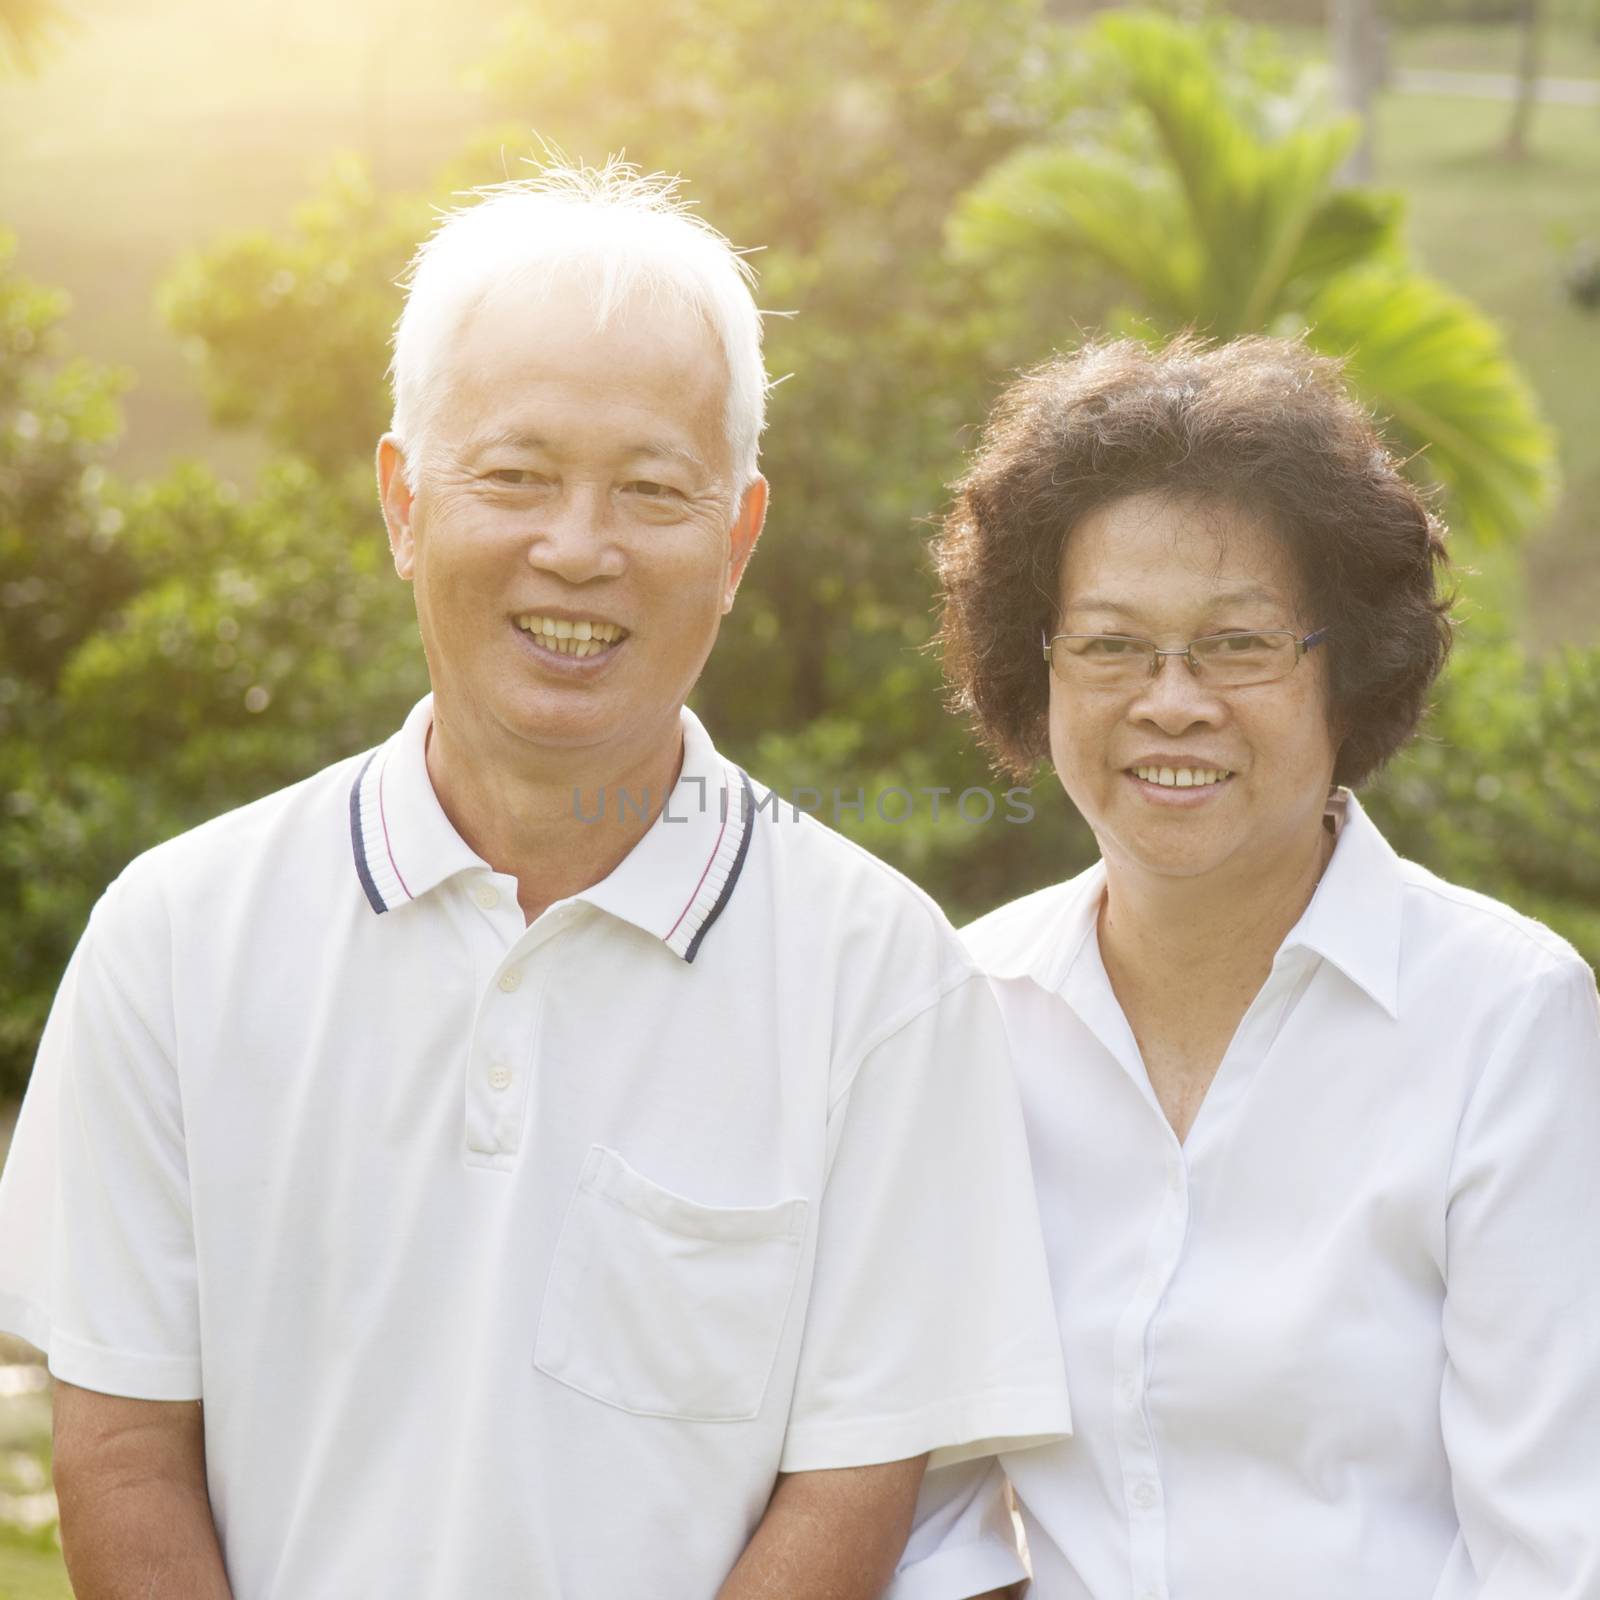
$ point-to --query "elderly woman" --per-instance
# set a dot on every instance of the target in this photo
(1316, 1135)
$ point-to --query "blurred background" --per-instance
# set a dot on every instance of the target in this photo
(204, 207)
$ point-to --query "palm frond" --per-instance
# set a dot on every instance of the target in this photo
(1437, 368)
(1043, 202)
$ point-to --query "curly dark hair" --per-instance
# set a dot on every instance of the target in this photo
(1263, 424)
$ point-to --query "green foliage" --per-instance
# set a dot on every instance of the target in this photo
(1500, 793)
(1437, 369)
(56, 417)
(290, 336)
(267, 638)
(165, 654)
(858, 122)
(64, 568)
(1215, 204)
(942, 192)
(271, 637)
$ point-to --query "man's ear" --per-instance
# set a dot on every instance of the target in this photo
(748, 521)
(395, 494)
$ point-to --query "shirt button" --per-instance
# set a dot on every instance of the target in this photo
(511, 980)
(486, 895)
(499, 1076)
(1144, 1494)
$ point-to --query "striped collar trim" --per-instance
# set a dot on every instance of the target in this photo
(403, 843)
(722, 871)
(674, 884)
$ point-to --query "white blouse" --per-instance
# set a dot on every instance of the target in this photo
(1344, 1342)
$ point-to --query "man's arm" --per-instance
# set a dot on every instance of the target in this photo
(833, 1534)
(135, 1512)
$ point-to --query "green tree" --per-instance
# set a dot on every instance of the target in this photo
(65, 568)
(1204, 184)
(835, 137)
(165, 653)
(290, 335)
(1499, 793)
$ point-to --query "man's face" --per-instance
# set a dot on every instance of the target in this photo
(1172, 571)
(574, 535)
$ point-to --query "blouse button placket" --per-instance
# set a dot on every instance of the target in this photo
(1144, 1501)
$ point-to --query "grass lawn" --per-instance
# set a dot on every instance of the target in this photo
(1569, 49)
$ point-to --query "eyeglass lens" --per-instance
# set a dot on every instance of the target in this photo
(1228, 658)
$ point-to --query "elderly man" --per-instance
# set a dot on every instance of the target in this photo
(553, 1170)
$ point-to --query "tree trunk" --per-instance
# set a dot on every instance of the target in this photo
(1529, 30)
(1356, 46)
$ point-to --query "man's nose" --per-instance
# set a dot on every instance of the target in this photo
(1176, 698)
(575, 536)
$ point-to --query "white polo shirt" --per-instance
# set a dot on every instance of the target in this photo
(517, 1260)
(1344, 1342)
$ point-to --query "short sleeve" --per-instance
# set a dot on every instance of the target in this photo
(96, 1186)
(1520, 1407)
(931, 1325)
(963, 1540)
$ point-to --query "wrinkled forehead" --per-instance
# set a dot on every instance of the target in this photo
(1160, 550)
(522, 344)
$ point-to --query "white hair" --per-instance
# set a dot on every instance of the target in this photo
(625, 233)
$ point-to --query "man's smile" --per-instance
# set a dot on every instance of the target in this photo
(580, 637)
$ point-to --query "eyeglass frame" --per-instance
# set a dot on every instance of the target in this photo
(1301, 647)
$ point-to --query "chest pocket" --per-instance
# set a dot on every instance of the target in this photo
(664, 1307)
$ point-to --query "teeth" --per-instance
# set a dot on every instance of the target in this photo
(585, 638)
(1182, 777)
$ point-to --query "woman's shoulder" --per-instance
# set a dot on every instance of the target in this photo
(1479, 939)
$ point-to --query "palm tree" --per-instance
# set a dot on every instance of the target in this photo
(1214, 204)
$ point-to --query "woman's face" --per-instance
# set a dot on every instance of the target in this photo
(1173, 570)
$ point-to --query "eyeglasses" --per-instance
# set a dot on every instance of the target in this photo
(1224, 660)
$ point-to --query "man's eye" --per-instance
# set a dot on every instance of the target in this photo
(516, 477)
(1108, 646)
(1243, 643)
(651, 491)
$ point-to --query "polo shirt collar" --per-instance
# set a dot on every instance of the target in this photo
(1353, 921)
(673, 884)
(404, 844)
